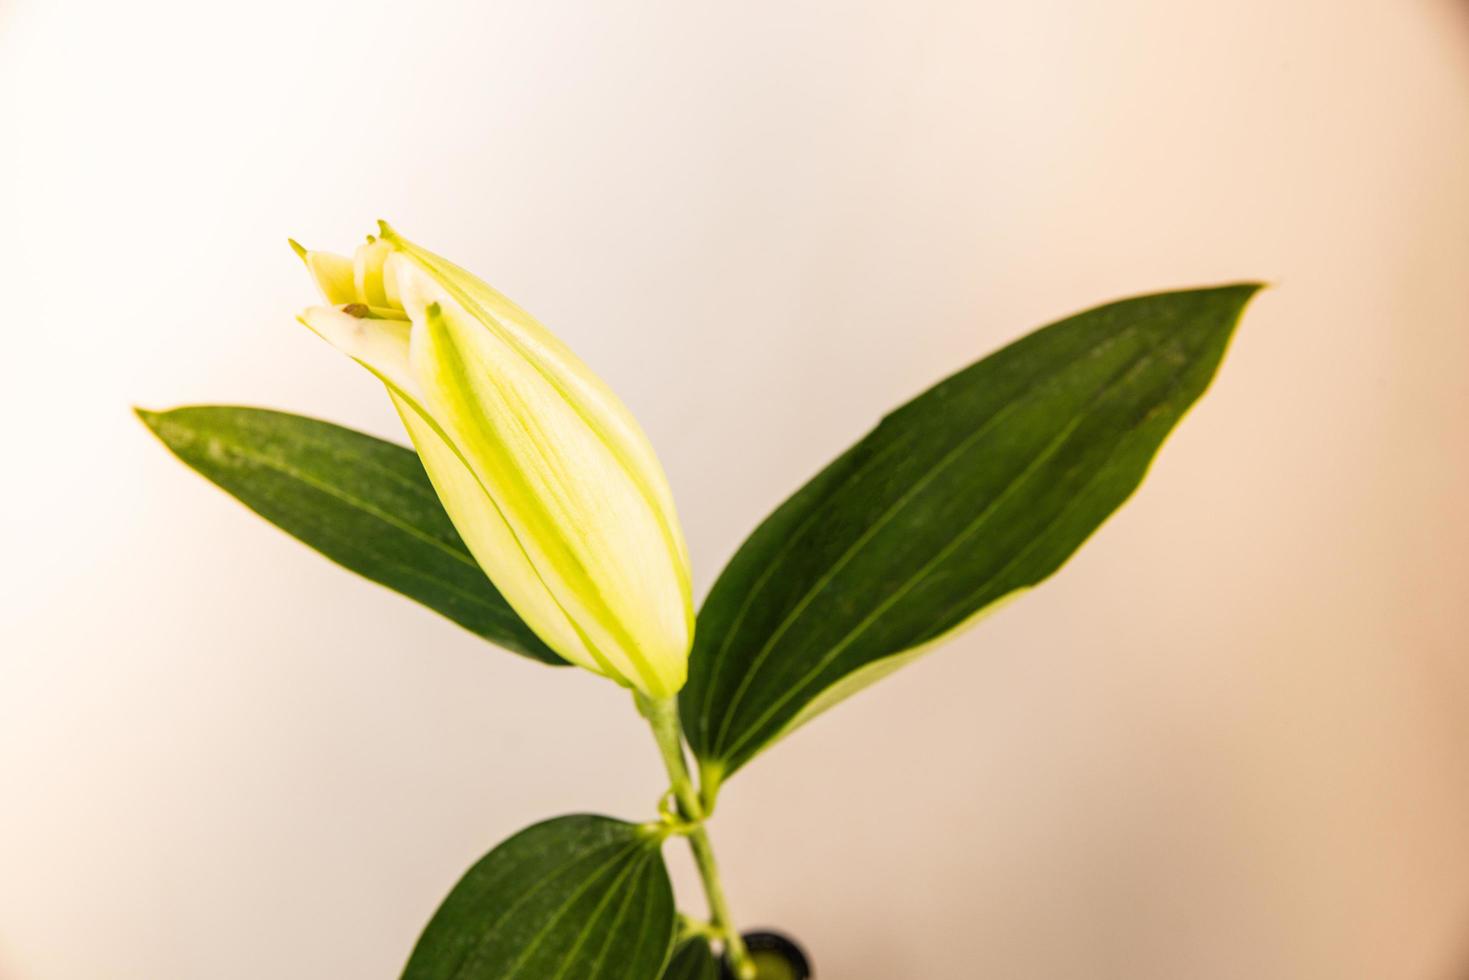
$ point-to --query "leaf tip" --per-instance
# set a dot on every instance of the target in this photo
(1246, 292)
(1247, 289)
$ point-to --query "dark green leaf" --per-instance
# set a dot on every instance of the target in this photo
(362, 502)
(582, 897)
(692, 960)
(980, 487)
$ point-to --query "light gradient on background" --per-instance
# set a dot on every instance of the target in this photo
(1230, 740)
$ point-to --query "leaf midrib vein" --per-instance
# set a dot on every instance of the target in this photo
(872, 617)
(356, 503)
(883, 520)
(492, 927)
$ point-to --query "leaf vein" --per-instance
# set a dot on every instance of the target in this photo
(969, 530)
(870, 532)
(356, 503)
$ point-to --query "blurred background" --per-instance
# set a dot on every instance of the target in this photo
(1229, 740)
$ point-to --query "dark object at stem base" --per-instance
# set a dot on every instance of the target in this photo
(776, 956)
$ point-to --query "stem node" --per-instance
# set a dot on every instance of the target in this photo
(662, 715)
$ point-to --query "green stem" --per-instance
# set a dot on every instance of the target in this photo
(662, 716)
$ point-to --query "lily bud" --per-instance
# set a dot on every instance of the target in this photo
(545, 474)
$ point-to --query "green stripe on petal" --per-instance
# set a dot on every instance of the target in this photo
(490, 539)
(584, 522)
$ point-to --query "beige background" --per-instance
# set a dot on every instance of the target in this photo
(1231, 740)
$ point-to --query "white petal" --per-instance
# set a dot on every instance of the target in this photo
(379, 345)
(367, 273)
(587, 526)
(333, 275)
(490, 539)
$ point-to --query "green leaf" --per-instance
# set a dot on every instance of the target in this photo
(692, 960)
(362, 502)
(582, 897)
(980, 487)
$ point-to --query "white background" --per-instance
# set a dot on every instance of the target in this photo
(1230, 740)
